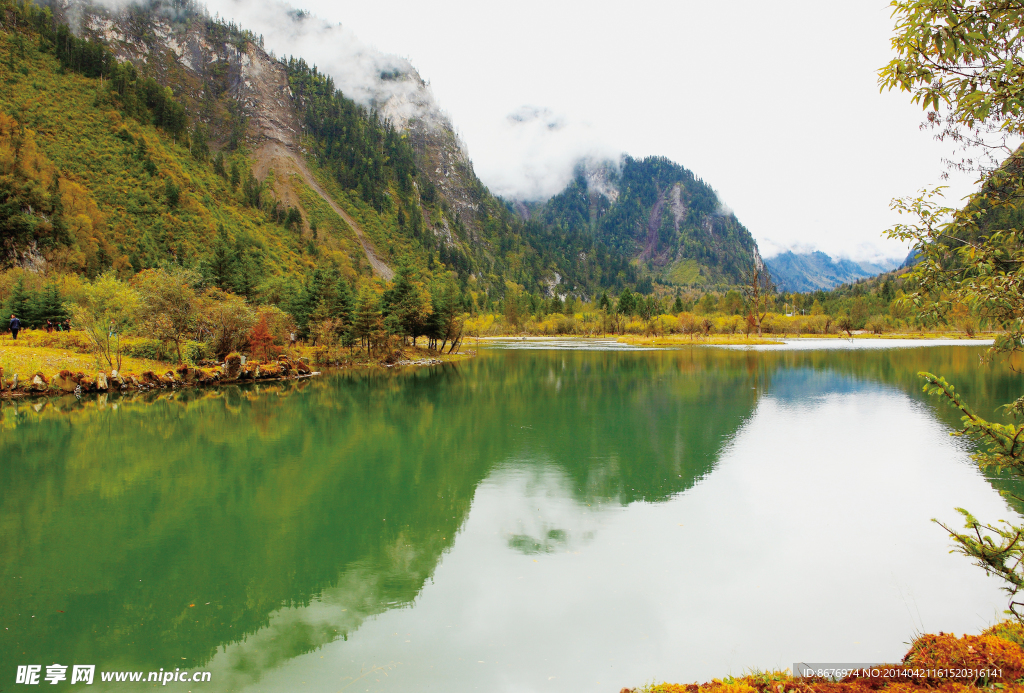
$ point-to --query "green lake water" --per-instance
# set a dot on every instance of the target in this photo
(534, 519)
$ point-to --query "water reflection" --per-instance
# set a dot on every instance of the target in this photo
(265, 523)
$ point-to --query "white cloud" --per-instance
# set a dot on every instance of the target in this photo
(776, 105)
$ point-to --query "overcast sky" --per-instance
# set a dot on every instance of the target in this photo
(775, 104)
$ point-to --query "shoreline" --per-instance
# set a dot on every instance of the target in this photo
(235, 370)
(731, 340)
(993, 660)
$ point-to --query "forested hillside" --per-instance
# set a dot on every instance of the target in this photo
(157, 138)
(661, 214)
(97, 171)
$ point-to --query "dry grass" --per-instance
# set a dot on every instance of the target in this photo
(28, 360)
(686, 340)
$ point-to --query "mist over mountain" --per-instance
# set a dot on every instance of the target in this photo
(331, 155)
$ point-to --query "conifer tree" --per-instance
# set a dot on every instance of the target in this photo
(366, 317)
(222, 265)
(627, 302)
(19, 303)
(49, 305)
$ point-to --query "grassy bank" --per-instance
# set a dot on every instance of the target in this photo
(992, 661)
(28, 360)
(56, 356)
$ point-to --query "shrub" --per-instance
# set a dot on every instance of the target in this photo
(876, 324)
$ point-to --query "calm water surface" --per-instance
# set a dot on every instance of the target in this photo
(531, 520)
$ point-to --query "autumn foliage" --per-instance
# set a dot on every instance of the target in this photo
(970, 653)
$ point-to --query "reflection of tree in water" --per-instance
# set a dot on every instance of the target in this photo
(171, 526)
(553, 540)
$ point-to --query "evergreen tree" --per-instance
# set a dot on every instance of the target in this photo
(218, 165)
(405, 309)
(246, 272)
(222, 264)
(20, 303)
(366, 317)
(49, 305)
(627, 302)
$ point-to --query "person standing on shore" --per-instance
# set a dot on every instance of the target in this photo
(15, 326)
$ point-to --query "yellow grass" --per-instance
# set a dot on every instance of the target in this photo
(684, 340)
(29, 360)
(742, 339)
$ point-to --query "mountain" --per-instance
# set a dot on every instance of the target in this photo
(131, 136)
(659, 214)
(803, 272)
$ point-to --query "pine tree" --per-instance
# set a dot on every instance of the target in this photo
(366, 317)
(49, 305)
(627, 302)
(19, 303)
(222, 265)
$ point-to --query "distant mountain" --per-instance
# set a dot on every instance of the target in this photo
(657, 214)
(802, 272)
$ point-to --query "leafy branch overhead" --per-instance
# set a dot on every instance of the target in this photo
(961, 61)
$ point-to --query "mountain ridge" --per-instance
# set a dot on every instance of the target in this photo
(815, 270)
(392, 182)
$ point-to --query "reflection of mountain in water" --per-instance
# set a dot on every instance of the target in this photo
(152, 534)
(138, 536)
(803, 383)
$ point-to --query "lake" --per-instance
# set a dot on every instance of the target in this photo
(548, 518)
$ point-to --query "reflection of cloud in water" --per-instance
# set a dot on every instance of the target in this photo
(803, 541)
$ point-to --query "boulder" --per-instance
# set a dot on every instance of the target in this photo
(65, 381)
(101, 382)
(38, 383)
(87, 384)
(14, 382)
(232, 366)
(270, 370)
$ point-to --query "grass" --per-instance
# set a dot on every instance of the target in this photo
(356, 358)
(112, 202)
(29, 360)
(684, 340)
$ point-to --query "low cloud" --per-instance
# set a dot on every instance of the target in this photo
(546, 146)
(861, 252)
(386, 83)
